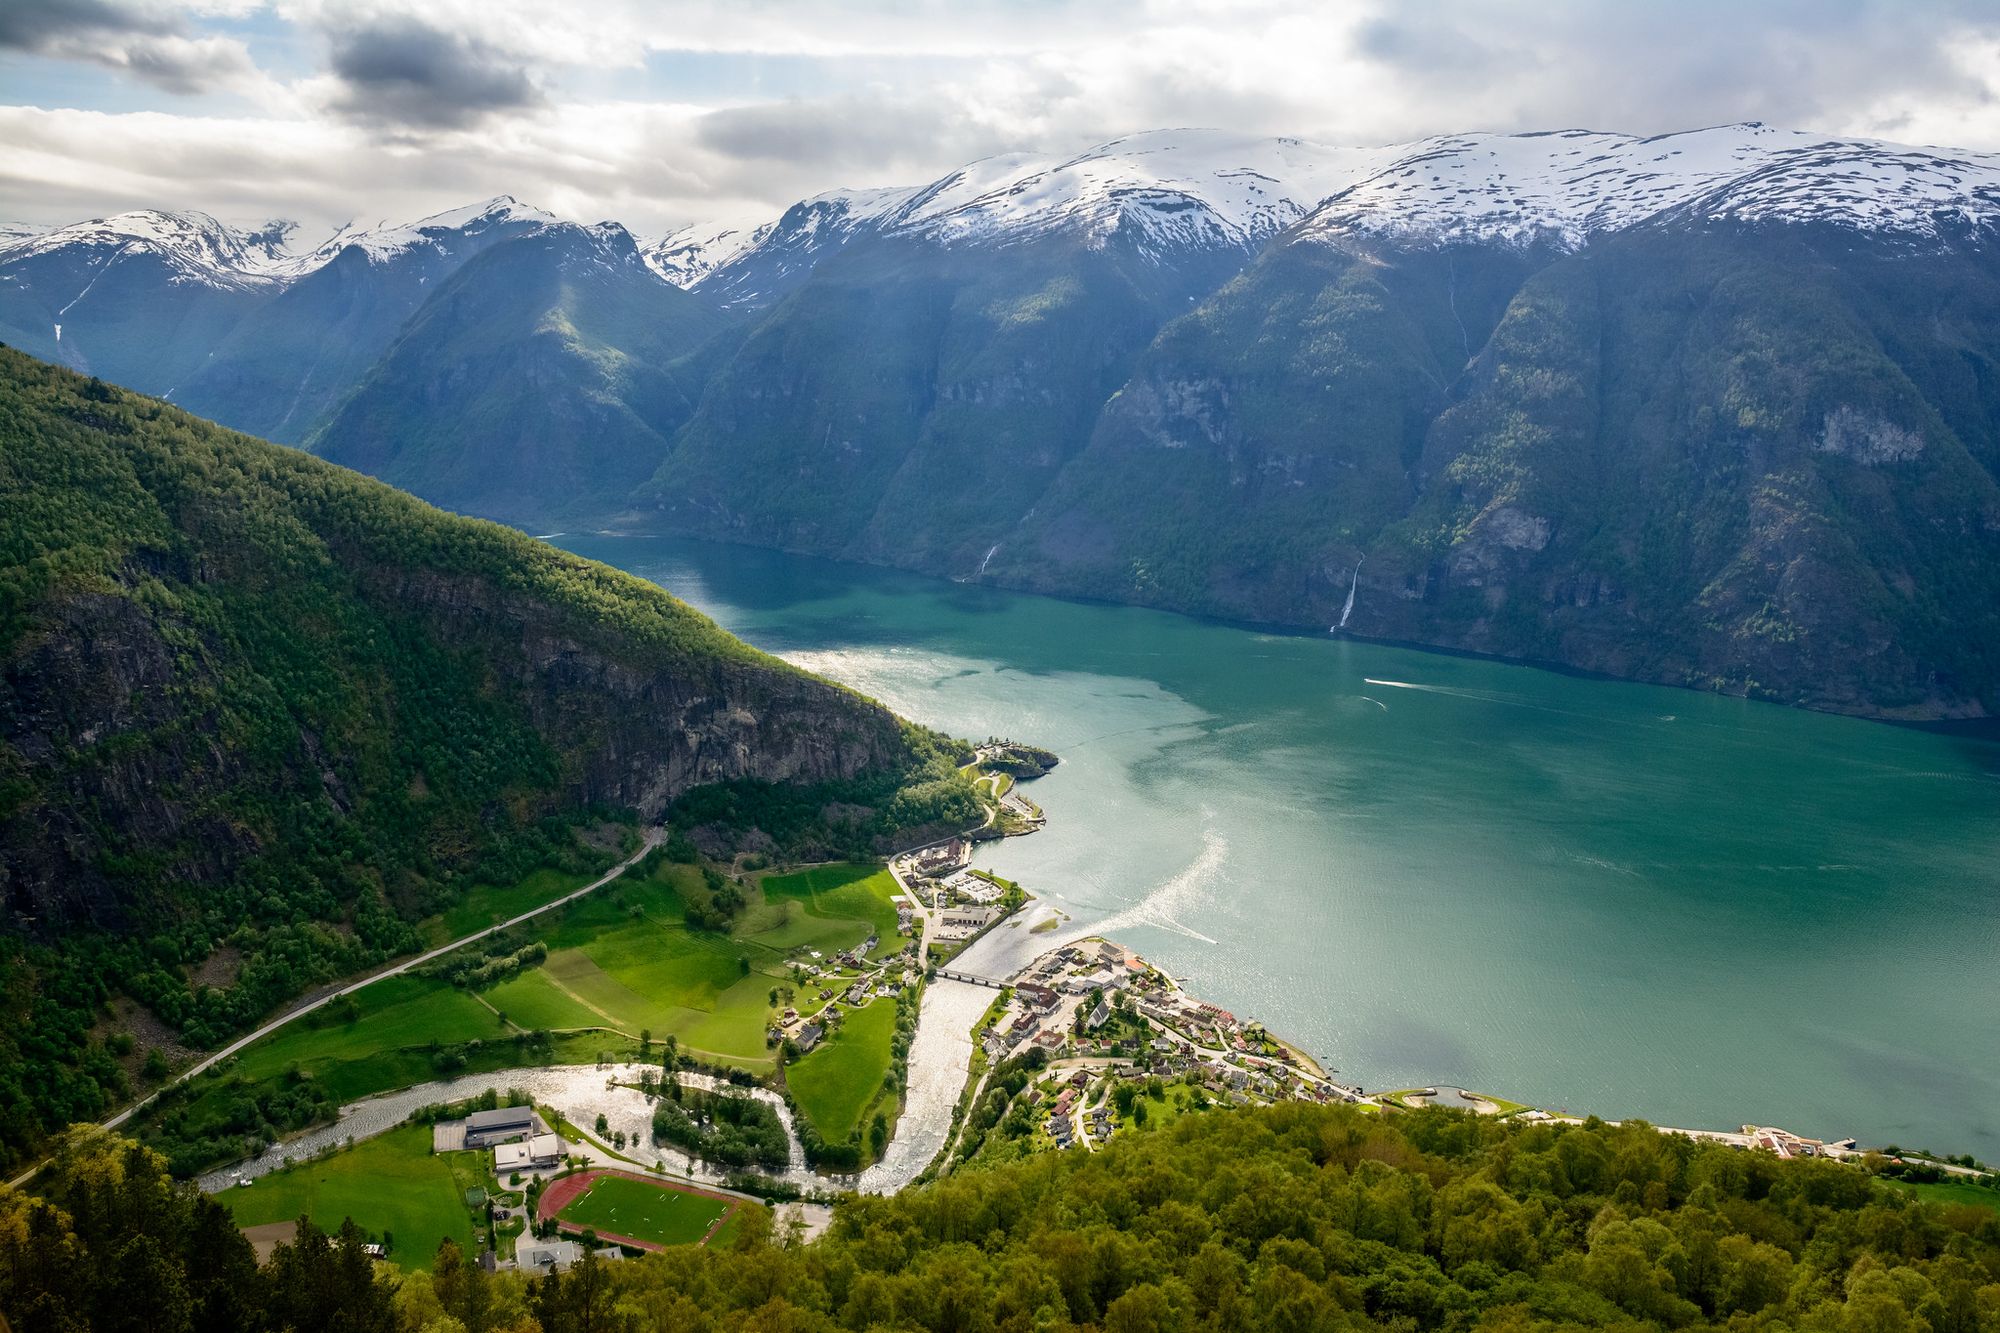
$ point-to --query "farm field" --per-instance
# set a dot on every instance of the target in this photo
(621, 962)
(1950, 1191)
(837, 1082)
(395, 1015)
(389, 1185)
(840, 893)
(643, 1210)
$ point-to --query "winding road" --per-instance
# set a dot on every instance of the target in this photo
(653, 838)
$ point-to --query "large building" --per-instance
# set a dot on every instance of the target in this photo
(483, 1129)
(538, 1152)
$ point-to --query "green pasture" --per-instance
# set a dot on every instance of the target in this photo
(836, 1083)
(839, 893)
(397, 1015)
(389, 1184)
(643, 1210)
(621, 960)
(1950, 1192)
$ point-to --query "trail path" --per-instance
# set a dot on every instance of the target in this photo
(652, 839)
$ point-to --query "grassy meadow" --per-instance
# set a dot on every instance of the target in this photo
(622, 962)
(489, 904)
(837, 1082)
(1950, 1192)
(388, 1184)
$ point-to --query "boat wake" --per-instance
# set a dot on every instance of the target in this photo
(1180, 893)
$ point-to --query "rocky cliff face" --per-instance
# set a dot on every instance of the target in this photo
(635, 732)
(1750, 460)
(88, 713)
(224, 661)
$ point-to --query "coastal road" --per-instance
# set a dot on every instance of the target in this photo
(652, 839)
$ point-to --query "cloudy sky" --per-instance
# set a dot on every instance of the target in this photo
(658, 114)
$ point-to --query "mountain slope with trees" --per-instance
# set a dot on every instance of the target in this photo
(1718, 409)
(1287, 1218)
(259, 714)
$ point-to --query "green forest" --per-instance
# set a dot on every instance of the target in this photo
(261, 716)
(1291, 1217)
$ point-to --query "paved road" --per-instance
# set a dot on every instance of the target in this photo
(652, 839)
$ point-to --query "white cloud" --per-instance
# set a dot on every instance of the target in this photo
(506, 95)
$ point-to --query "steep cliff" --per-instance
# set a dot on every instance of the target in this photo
(1748, 459)
(250, 699)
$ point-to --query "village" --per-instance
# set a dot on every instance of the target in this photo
(1103, 1016)
(1100, 1015)
(1085, 1042)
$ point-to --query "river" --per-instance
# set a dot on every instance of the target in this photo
(1436, 870)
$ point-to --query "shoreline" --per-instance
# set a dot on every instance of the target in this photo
(1767, 1137)
(1020, 942)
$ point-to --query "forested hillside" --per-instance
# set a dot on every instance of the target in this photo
(1289, 1218)
(1718, 409)
(1756, 460)
(545, 377)
(259, 714)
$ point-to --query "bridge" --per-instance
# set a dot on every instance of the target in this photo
(953, 974)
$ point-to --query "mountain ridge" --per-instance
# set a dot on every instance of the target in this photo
(255, 706)
(1219, 373)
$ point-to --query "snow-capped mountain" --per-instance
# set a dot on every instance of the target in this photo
(200, 248)
(1169, 191)
(1165, 190)
(386, 240)
(1175, 189)
(751, 263)
(1573, 184)
(194, 246)
(1697, 407)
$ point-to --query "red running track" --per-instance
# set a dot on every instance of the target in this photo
(566, 1190)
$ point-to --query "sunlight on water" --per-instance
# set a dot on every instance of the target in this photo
(1436, 870)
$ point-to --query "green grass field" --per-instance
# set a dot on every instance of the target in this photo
(1175, 1101)
(1950, 1191)
(396, 1014)
(835, 1084)
(843, 893)
(643, 1211)
(621, 960)
(391, 1184)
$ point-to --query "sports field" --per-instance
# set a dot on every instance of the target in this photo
(633, 1208)
(391, 1185)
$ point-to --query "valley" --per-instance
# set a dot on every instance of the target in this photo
(1004, 667)
(1712, 409)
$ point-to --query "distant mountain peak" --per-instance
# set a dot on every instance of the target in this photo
(386, 240)
(1163, 190)
(198, 247)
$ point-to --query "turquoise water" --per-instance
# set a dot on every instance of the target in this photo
(1603, 897)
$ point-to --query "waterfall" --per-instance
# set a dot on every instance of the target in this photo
(988, 560)
(1348, 608)
(58, 333)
